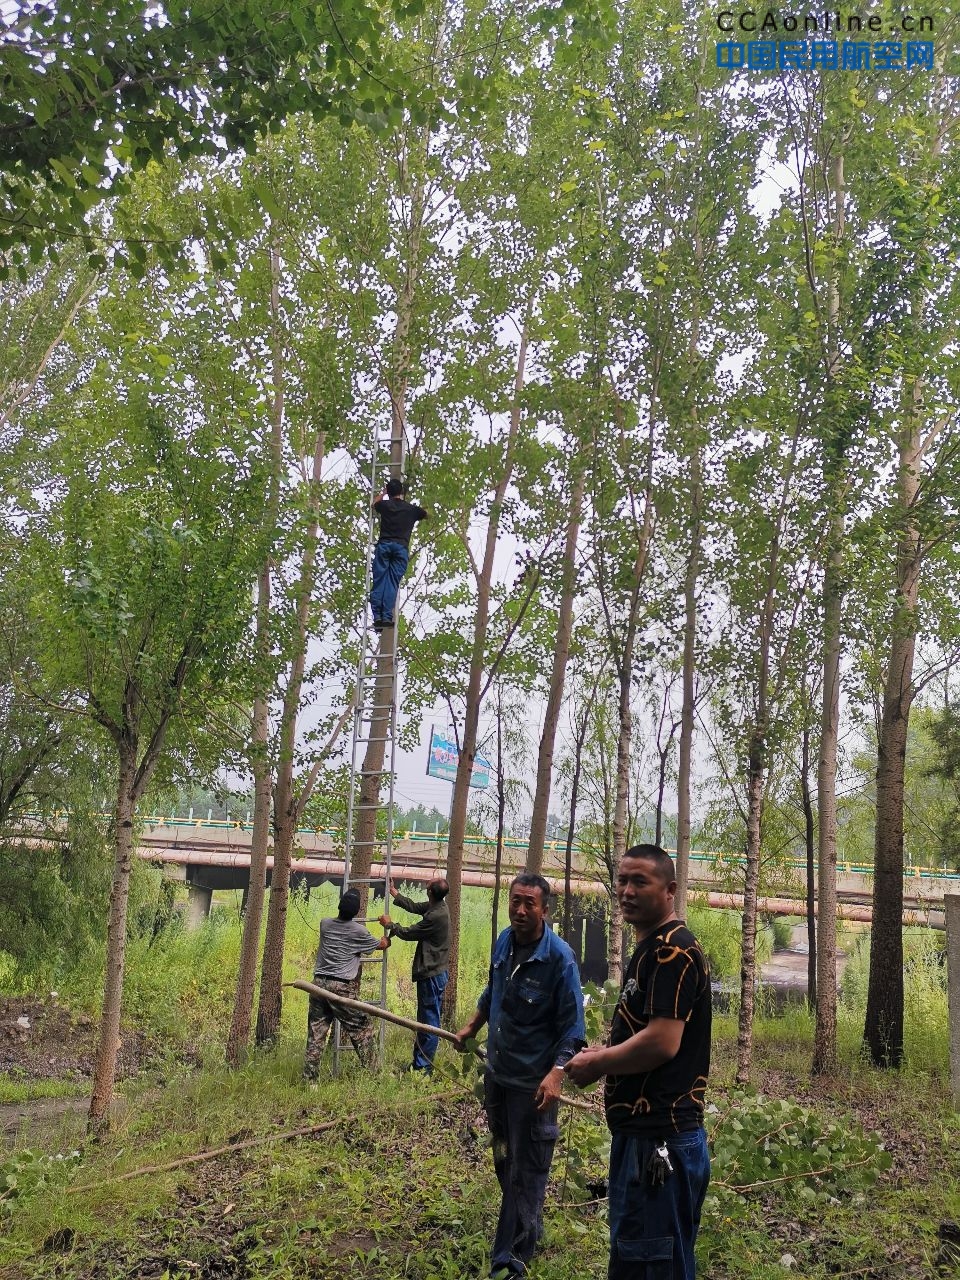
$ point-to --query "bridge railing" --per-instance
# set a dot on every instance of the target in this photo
(718, 860)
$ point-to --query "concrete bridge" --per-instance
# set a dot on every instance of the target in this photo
(211, 855)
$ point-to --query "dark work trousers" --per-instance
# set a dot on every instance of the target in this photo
(653, 1228)
(523, 1142)
(429, 998)
(390, 560)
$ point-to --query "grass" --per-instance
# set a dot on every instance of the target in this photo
(402, 1184)
(15, 1089)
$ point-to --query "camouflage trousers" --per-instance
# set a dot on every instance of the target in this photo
(323, 1014)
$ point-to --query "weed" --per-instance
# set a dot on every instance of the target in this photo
(26, 1172)
(13, 1090)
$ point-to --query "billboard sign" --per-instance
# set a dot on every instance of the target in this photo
(443, 759)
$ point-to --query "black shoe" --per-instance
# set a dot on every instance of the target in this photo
(386, 622)
(378, 624)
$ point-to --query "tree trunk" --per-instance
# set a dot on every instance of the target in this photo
(287, 807)
(883, 1026)
(625, 740)
(810, 845)
(621, 796)
(688, 702)
(238, 1039)
(825, 1034)
(663, 762)
(748, 961)
(581, 737)
(501, 828)
(105, 1062)
(541, 799)
(271, 974)
(471, 715)
(365, 823)
(756, 781)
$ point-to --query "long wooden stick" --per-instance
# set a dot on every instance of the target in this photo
(207, 1155)
(375, 1011)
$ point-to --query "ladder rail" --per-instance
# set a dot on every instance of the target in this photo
(376, 671)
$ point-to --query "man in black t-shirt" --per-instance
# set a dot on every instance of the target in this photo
(656, 1068)
(392, 552)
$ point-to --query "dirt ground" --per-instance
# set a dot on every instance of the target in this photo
(40, 1040)
(54, 1044)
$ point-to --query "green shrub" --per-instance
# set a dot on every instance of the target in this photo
(783, 927)
(758, 1142)
(25, 1172)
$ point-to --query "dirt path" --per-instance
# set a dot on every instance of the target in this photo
(41, 1115)
(787, 970)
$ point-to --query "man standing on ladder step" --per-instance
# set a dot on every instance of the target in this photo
(392, 552)
(432, 936)
(343, 940)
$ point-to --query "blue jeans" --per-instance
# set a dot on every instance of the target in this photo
(390, 560)
(523, 1142)
(653, 1229)
(429, 996)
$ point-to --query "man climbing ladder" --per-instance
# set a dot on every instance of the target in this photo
(392, 552)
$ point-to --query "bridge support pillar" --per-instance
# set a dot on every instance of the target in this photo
(952, 905)
(198, 905)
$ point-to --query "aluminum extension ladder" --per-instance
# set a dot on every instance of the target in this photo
(376, 672)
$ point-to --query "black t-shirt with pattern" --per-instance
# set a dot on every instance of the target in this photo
(667, 977)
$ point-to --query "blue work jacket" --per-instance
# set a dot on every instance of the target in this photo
(534, 1011)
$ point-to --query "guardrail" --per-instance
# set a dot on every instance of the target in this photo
(718, 860)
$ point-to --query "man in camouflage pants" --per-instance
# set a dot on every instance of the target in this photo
(343, 940)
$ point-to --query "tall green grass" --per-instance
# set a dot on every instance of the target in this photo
(721, 936)
(926, 1028)
(179, 985)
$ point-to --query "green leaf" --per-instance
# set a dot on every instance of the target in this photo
(66, 175)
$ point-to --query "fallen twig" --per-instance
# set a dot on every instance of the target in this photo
(206, 1155)
(788, 1177)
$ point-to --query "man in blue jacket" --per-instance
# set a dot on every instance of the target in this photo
(534, 1006)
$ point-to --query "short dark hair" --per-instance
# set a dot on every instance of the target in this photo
(530, 880)
(349, 906)
(396, 488)
(659, 857)
(438, 889)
